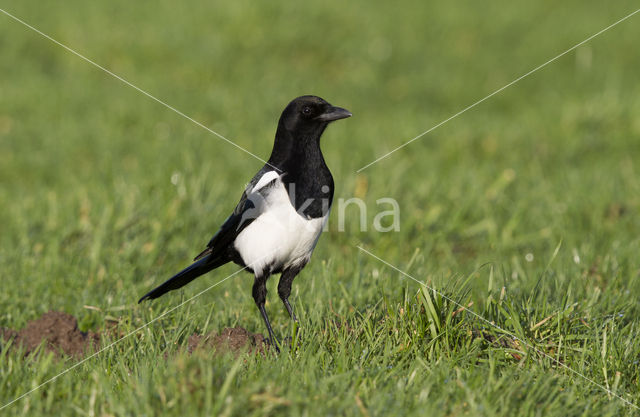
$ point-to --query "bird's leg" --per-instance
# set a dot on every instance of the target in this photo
(259, 296)
(284, 288)
(289, 309)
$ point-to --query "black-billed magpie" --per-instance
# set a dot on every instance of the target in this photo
(282, 211)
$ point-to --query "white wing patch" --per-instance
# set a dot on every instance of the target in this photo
(264, 180)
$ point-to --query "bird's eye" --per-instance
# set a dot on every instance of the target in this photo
(306, 110)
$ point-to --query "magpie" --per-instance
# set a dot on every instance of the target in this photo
(284, 208)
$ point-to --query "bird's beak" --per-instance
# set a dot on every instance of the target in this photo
(334, 113)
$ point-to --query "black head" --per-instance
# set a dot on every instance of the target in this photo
(297, 142)
(308, 116)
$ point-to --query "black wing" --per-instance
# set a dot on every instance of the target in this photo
(247, 210)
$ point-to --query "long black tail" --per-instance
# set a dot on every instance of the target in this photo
(184, 277)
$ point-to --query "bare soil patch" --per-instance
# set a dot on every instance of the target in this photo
(234, 340)
(59, 332)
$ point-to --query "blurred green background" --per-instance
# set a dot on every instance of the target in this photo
(105, 193)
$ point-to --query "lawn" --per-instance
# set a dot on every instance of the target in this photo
(525, 209)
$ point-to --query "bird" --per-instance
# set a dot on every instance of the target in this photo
(282, 212)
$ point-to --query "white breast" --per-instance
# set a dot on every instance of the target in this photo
(279, 237)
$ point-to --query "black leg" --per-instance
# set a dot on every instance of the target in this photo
(260, 296)
(284, 287)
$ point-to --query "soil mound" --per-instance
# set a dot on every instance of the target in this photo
(234, 340)
(58, 330)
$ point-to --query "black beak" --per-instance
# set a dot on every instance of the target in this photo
(334, 113)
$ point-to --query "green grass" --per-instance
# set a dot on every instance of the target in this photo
(527, 206)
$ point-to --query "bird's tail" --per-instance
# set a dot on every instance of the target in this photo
(184, 277)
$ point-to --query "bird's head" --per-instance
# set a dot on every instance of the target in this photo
(308, 116)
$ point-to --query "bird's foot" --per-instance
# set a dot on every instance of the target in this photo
(287, 343)
(273, 342)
